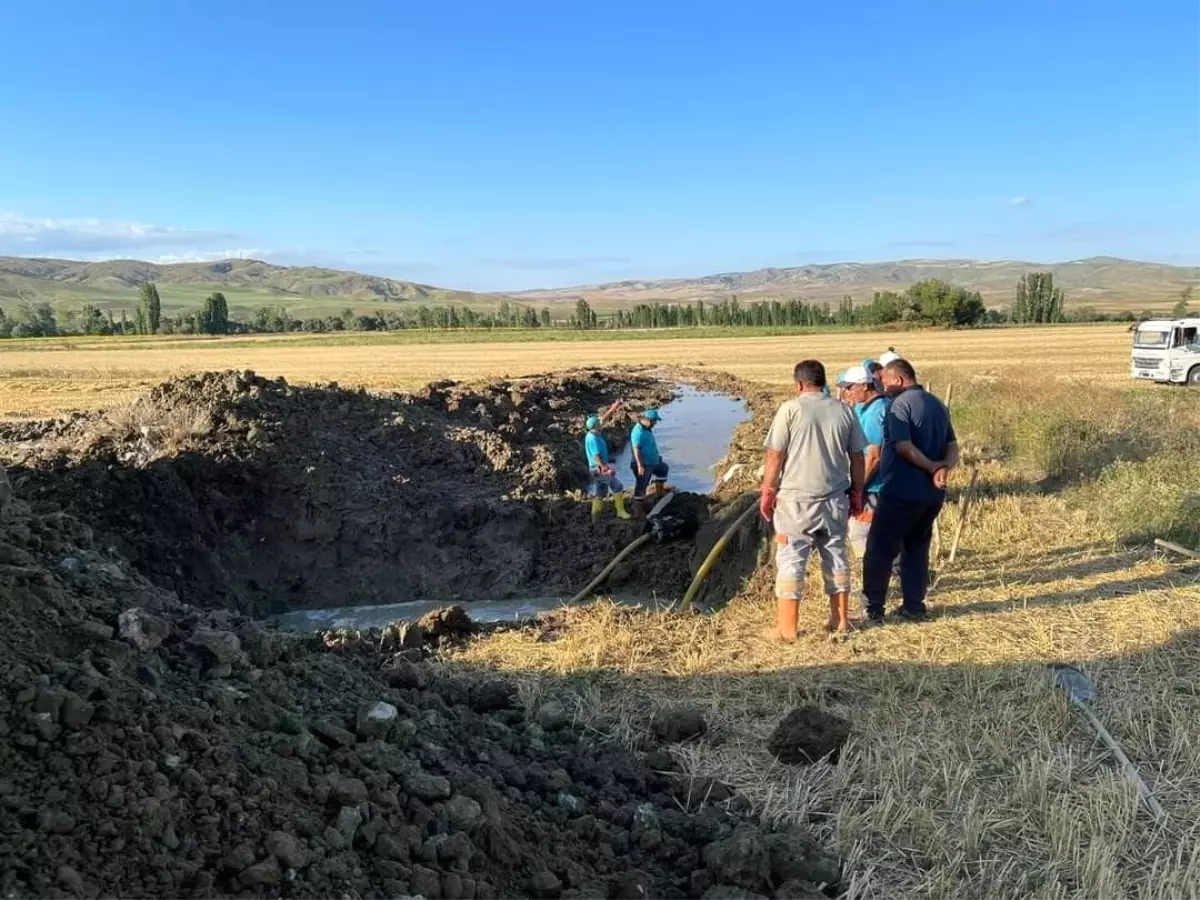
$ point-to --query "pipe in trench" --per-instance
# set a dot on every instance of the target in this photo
(607, 570)
(713, 555)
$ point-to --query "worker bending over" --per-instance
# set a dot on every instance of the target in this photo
(812, 483)
(604, 479)
(649, 469)
(919, 450)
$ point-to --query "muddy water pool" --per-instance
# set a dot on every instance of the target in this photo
(693, 437)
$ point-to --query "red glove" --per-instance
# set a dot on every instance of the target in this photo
(856, 503)
(766, 503)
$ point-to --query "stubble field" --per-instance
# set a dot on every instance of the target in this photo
(966, 773)
(40, 377)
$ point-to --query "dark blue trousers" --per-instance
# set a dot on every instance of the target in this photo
(901, 528)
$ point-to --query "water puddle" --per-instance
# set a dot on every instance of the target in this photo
(365, 617)
(693, 437)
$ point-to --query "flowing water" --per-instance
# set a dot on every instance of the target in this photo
(693, 437)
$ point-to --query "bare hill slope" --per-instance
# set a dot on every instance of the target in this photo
(1104, 282)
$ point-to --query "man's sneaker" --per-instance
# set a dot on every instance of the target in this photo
(909, 615)
(873, 619)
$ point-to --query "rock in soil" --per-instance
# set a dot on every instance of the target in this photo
(808, 734)
(143, 629)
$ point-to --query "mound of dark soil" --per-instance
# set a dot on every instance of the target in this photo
(808, 734)
(247, 493)
(148, 748)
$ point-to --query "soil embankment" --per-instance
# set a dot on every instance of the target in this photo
(155, 740)
(149, 748)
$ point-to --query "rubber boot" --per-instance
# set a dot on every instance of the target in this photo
(787, 617)
(597, 508)
(619, 503)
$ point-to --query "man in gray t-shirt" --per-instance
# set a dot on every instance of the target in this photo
(812, 484)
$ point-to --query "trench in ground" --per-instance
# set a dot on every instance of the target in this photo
(694, 437)
(332, 505)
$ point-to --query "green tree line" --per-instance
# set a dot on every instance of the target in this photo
(933, 303)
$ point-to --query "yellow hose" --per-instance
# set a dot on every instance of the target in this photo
(713, 555)
(607, 570)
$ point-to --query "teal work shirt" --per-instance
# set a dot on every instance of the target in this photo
(594, 445)
(643, 441)
(871, 417)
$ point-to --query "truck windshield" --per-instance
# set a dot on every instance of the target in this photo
(1151, 337)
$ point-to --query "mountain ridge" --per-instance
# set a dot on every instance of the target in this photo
(1108, 283)
(1102, 281)
(295, 281)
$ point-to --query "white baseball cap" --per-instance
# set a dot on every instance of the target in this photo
(888, 356)
(855, 375)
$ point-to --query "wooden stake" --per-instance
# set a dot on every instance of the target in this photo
(964, 505)
(1176, 548)
(949, 394)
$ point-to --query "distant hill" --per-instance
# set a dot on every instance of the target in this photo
(247, 283)
(1103, 282)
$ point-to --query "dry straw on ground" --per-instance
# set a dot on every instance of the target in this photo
(49, 376)
(967, 773)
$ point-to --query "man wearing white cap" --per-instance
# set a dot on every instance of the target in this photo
(860, 388)
(888, 356)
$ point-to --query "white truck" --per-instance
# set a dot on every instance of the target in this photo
(1167, 351)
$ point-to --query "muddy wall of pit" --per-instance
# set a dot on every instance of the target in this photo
(244, 492)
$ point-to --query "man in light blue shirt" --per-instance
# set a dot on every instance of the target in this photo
(647, 465)
(870, 408)
(604, 481)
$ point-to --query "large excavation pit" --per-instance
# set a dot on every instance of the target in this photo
(335, 505)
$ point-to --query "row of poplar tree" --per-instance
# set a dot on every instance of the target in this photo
(932, 302)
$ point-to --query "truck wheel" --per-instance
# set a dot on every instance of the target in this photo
(1193, 379)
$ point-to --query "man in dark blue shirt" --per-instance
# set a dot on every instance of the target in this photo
(919, 450)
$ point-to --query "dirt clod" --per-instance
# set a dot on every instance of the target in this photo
(375, 719)
(286, 848)
(808, 734)
(678, 724)
(553, 715)
(142, 629)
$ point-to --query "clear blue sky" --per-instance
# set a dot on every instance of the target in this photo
(505, 145)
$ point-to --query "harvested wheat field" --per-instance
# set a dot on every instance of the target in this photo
(45, 377)
(965, 772)
(162, 736)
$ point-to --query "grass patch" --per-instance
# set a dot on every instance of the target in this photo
(1157, 497)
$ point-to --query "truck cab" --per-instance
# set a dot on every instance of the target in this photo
(1167, 351)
